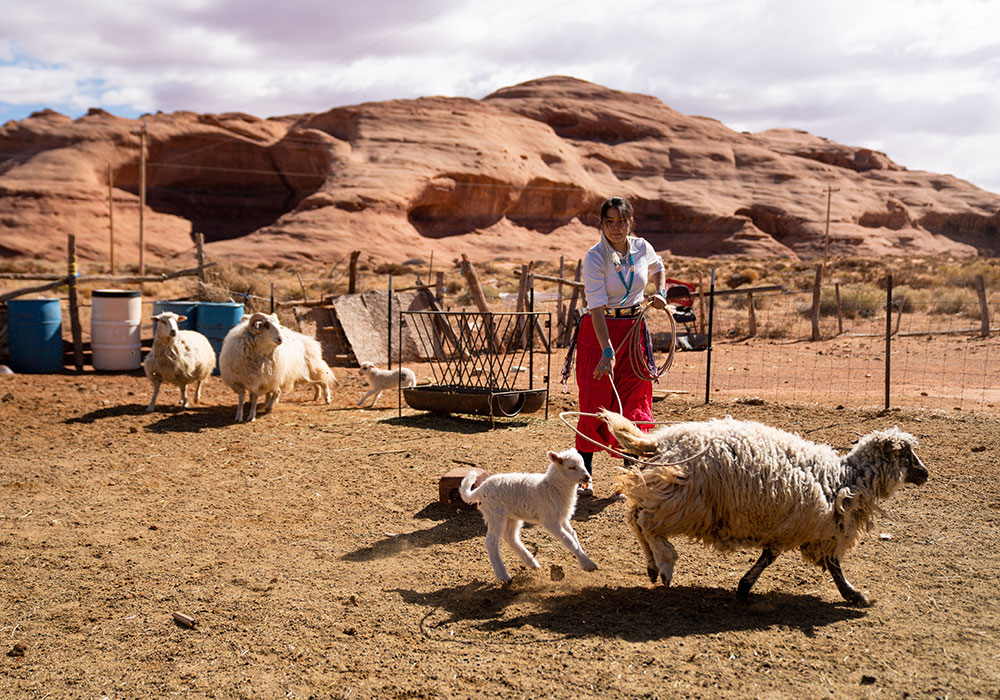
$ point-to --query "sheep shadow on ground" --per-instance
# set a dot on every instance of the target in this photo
(129, 409)
(454, 526)
(633, 614)
(194, 419)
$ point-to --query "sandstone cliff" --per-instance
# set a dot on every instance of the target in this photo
(518, 174)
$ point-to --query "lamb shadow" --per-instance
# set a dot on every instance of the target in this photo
(450, 423)
(633, 614)
(453, 526)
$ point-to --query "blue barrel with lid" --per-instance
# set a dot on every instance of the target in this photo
(34, 333)
(181, 308)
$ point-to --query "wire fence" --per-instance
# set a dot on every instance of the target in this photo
(762, 349)
(932, 359)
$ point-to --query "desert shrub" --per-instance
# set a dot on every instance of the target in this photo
(856, 301)
(742, 277)
(760, 301)
(964, 274)
(393, 269)
(955, 302)
(238, 283)
(910, 300)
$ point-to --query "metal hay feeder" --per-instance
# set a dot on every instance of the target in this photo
(483, 363)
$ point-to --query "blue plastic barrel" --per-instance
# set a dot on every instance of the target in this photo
(181, 308)
(34, 329)
(215, 319)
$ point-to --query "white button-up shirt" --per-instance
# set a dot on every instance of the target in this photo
(603, 286)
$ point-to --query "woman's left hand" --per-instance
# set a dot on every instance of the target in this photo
(658, 302)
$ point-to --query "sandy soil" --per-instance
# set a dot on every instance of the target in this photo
(311, 551)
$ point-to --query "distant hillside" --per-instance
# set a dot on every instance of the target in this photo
(518, 174)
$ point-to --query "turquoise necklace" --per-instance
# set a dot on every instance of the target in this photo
(631, 274)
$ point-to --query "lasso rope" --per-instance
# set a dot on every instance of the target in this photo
(623, 455)
(636, 353)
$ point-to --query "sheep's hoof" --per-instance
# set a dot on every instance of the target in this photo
(859, 599)
(653, 574)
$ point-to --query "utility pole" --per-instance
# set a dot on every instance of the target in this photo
(826, 238)
(141, 133)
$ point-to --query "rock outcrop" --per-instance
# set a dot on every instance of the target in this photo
(517, 174)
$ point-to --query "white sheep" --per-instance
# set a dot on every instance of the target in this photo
(256, 360)
(178, 357)
(751, 485)
(314, 370)
(382, 379)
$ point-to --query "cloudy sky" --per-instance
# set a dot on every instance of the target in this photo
(917, 79)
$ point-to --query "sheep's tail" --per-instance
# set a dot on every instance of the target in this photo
(627, 434)
(465, 489)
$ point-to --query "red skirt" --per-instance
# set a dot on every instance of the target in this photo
(635, 393)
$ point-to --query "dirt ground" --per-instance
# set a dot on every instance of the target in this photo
(311, 552)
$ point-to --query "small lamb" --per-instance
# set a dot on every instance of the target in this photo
(382, 379)
(507, 501)
(178, 357)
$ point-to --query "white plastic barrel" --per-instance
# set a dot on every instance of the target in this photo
(115, 329)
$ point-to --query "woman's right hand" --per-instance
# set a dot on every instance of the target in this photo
(605, 367)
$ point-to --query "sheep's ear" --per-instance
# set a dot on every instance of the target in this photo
(554, 457)
(181, 318)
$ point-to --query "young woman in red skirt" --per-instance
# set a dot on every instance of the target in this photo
(615, 274)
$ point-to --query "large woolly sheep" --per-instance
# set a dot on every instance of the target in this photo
(256, 360)
(751, 485)
(178, 357)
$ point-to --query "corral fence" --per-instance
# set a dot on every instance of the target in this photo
(858, 345)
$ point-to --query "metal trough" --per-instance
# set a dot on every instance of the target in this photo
(474, 400)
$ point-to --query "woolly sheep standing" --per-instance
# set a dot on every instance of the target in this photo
(750, 485)
(256, 360)
(381, 379)
(177, 357)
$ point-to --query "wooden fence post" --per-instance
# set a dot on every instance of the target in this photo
(560, 311)
(352, 280)
(199, 243)
(439, 286)
(816, 302)
(72, 277)
(111, 217)
(571, 311)
(984, 308)
(752, 316)
(888, 338)
(840, 314)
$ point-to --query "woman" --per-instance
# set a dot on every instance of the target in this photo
(615, 274)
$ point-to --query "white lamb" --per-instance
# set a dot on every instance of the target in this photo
(382, 379)
(178, 357)
(256, 360)
(507, 501)
(751, 485)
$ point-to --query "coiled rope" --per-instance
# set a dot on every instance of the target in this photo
(624, 455)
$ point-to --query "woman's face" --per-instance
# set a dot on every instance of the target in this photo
(615, 227)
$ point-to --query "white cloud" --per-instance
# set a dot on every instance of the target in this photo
(920, 76)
